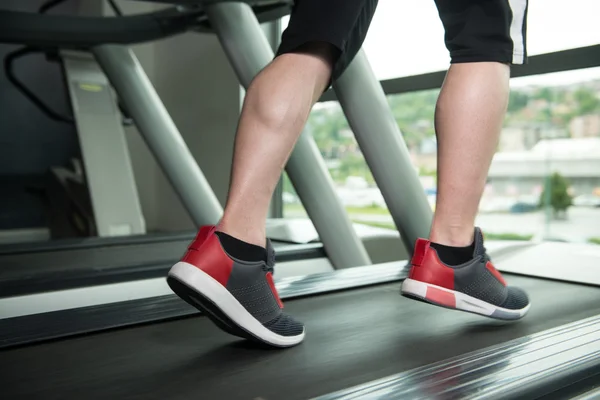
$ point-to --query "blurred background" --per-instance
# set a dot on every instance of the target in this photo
(544, 182)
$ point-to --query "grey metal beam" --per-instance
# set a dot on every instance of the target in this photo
(249, 52)
(365, 106)
(560, 61)
(130, 81)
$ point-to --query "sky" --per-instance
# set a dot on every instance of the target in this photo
(406, 37)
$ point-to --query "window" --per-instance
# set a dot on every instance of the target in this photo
(553, 122)
(391, 45)
(554, 25)
(406, 37)
(551, 137)
(544, 181)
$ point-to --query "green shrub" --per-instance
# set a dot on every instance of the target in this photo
(507, 236)
(560, 199)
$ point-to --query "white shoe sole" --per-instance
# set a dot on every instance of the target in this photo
(456, 300)
(233, 314)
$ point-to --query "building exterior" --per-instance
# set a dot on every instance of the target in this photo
(523, 172)
(585, 126)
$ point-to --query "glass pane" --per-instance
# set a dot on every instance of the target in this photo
(545, 178)
(555, 25)
(354, 182)
(391, 45)
(292, 208)
(552, 127)
(407, 38)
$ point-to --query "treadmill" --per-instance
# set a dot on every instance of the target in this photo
(98, 253)
(363, 339)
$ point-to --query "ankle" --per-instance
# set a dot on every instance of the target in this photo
(452, 236)
(240, 249)
(454, 255)
(251, 235)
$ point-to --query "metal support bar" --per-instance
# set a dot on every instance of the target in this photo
(377, 133)
(249, 52)
(159, 131)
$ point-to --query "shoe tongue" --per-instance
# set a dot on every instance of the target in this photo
(270, 256)
(478, 241)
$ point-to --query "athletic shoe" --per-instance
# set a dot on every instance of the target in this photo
(475, 286)
(238, 296)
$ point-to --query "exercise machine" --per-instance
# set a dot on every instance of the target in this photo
(363, 339)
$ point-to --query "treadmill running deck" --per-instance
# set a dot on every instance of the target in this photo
(352, 337)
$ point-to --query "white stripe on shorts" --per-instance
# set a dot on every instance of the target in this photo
(518, 8)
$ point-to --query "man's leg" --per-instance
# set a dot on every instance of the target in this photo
(275, 111)
(452, 269)
(468, 120)
(279, 101)
(227, 271)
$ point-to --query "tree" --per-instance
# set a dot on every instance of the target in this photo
(556, 191)
(587, 101)
(353, 165)
(545, 93)
(517, 101)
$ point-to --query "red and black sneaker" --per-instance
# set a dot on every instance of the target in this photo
(238, 296)
(475, 286)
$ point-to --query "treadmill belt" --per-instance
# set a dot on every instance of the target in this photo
(352, 337)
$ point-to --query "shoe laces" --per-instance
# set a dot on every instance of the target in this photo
(486, 257)
(269, 266)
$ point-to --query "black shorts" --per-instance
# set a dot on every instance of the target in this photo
(475, 30)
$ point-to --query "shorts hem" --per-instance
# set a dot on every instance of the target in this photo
(292, 46)
(513, 58)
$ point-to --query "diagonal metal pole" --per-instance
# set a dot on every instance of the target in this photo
(366, 108)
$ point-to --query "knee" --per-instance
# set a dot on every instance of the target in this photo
(283, 93)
